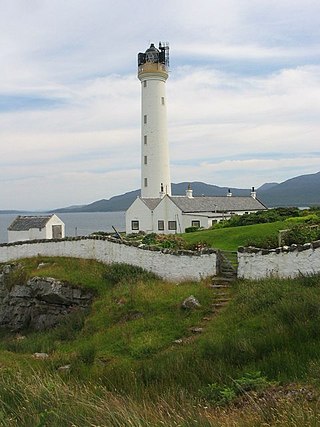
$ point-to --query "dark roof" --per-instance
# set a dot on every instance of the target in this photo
(217, 203)
(210, 203)
(24, 223)
(151, 203)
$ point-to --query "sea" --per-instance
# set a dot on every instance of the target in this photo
(77, 224)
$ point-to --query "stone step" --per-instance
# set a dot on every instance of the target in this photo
(218, 300)
(228, 273)
(219, 304)
(221, 279)
(219, 286)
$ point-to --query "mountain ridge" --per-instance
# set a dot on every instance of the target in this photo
(301, 190)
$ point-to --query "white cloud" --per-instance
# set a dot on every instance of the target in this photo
(256, 123)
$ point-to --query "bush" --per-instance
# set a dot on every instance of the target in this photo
(120, 272)
(87, 354)
(261, 217)
(219, 395)
(149, 239)
(192, 229)
(223, 395)
(300, 234)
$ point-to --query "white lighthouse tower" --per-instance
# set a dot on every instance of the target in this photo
(155, 170)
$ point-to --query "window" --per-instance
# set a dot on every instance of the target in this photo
(160, 225)
(214, 221)
(145, 119)
(145, 160)
(145, 83)
(145, 140)
(146, 182)
(172, 225)
(162, 100)
(134, 225)
(195, 223)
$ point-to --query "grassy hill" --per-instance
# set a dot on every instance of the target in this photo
(229, 239)
(139, 359)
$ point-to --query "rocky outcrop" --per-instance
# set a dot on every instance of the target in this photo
(39, 303)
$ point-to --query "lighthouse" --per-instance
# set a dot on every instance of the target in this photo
(156, 210)
(153, 67)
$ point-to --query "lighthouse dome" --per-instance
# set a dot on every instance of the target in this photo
(152, 54)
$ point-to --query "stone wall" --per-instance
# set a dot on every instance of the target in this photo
(168, 264)
(287, 261)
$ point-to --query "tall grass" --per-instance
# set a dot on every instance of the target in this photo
(125, 368)
(42, 399)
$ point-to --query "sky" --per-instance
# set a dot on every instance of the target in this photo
(243, 94)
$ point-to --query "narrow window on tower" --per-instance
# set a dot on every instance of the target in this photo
(162, 100)
(145, 119)
(146, 182)
(145, 160)
(145, 83)
(145, 139)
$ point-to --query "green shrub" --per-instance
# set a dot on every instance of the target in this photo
(149, 239)
(252, 381)
(217, 394)
(87, 354)
(120, 272)
(224, 395)
(300, 234)
(192, 229)
(309, 219)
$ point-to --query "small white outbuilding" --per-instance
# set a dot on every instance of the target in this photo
(36, 227)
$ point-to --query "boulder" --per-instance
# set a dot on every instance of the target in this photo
(39, 303)
(190, 302)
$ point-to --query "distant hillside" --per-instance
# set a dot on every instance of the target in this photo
(302, 190)
(123, 201)
(299, 191)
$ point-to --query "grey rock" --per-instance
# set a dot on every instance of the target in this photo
(41, 355)
(64, 368)
(40, 303)
(190, 302)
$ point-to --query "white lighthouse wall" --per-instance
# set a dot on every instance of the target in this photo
(154, 138)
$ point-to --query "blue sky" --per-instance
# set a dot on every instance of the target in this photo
(243, 94)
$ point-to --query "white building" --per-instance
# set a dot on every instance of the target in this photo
(36, 227)
(156, 210)
(173, 214)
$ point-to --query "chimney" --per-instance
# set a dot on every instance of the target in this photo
(229, 193)
(161, 194)
(189, 192)
(253, 193)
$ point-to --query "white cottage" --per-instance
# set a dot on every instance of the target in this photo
(36, 227)
(173, 214)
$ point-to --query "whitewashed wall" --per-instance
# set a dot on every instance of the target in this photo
(177, 267)
(282, 262)
(140, 212)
